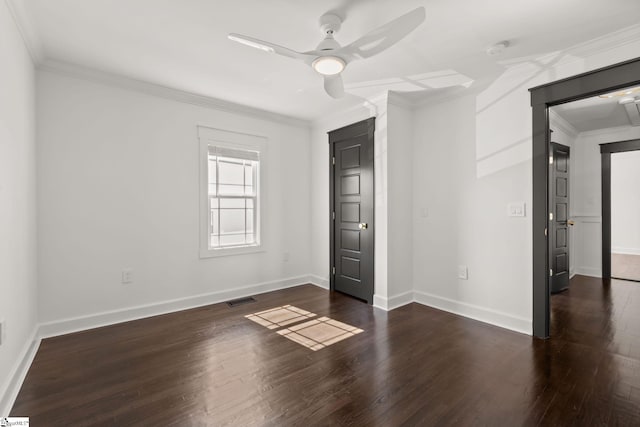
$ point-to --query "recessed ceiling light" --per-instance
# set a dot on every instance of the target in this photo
(328, 65)
(623, 92)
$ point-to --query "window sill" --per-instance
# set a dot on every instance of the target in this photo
(241, 250)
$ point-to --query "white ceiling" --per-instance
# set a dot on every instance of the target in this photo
(182, 44)
(598, 113)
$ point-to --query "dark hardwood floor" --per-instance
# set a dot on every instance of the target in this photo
(412, 366)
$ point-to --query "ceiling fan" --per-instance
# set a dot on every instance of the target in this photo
(329, 59)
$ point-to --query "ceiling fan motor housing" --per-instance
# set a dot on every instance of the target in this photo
(330, 24)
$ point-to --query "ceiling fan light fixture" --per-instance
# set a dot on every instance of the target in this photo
(328, 65)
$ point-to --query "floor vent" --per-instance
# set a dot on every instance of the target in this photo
(240, 301)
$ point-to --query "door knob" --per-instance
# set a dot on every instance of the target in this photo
(363, 225)
(571, 222)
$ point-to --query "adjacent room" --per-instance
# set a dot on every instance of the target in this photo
(414, 212)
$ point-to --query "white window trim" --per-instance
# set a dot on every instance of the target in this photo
(222, 138)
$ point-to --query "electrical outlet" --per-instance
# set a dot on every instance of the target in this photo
(463, 272)
(127, 276)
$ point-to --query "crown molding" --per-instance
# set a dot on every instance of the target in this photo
(27, 29)
(397, 99)
(608, 41)
(127, 83)
(563, 124)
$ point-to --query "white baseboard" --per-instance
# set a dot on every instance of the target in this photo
(10, 389)
(482, 314)
(625, 251)
(81, 323)
(393, 302)
(588, 271)
(318, 281)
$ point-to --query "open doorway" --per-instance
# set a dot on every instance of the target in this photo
(625, 214)
(621, 206)
(603, 81)
(594, 200)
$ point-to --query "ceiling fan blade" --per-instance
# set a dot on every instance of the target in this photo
(383, 37)
(268, 47)
(333, 86)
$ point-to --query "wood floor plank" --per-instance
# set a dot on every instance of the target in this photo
(412, 366)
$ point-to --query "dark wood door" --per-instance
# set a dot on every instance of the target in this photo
(352, 209)
(559, 217)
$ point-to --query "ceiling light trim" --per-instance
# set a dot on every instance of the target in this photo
(27, 30)
(328, 65)
(166, 92)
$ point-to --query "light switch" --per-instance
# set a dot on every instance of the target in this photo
(516, 209)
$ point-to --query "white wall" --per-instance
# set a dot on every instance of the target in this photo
(466, 221)
(18, 303)
(586, 197)
(472, 156)
(400, 205)
(118, 188)
(625, 203)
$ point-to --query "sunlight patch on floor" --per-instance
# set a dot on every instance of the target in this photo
(319, 333)
(280, 316)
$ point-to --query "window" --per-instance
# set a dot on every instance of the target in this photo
(233, 197)
(230, 209)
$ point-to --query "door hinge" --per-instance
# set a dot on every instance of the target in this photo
(333, 271)
(551, 272)
(545, 231)
(550, 216)
(550, 160)
(333, 215)
(333, 161)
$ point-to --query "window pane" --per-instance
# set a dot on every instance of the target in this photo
(231, 221)
(233, 239)
(231, 190)
(249, 220)
(230, 172)
(232, 203)
(248, 178)
(212, 170)
(214, 221)
(248, 173)
(212, 175)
